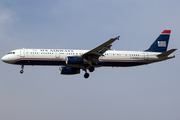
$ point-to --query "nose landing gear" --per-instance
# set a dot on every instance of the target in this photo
(22, 71)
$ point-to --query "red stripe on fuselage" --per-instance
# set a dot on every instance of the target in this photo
(38, 59)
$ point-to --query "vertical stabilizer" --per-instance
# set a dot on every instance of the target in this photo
(161, 43)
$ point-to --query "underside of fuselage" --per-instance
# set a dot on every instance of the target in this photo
(59, 63)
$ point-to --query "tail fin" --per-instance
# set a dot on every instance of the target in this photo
(161, 43)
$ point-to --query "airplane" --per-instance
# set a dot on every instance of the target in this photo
(72, 61)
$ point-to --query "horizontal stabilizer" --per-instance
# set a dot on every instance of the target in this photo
(166, 53)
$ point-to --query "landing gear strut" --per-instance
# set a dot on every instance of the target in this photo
(21, 71)
(86, 75)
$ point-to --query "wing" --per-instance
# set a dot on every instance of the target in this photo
(95, 53)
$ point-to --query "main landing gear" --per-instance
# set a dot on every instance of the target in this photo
(91, 69)
(22, 71)
(86, 75)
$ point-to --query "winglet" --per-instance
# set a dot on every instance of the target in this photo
(166, 53)
(117, 37)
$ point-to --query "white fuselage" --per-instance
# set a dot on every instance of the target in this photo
(59, 56)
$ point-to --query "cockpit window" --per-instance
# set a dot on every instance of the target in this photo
(11, 53)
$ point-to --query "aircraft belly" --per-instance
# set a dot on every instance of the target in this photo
(121, 64)
(40, 62)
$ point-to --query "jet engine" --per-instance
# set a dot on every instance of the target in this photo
(69, 70)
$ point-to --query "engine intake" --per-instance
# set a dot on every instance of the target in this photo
(75, 60)
(69, 70)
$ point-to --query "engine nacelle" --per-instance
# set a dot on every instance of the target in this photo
(69, 70)
(74, 60)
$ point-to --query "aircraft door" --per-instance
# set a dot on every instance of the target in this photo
(22, 52)
(57, 55)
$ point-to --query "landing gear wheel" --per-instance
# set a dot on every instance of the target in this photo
(91, 69)
(21, 71)
(86, 75)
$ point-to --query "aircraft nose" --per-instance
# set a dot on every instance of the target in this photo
(5, 59)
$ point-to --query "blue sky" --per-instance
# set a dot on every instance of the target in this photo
(144, 92)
